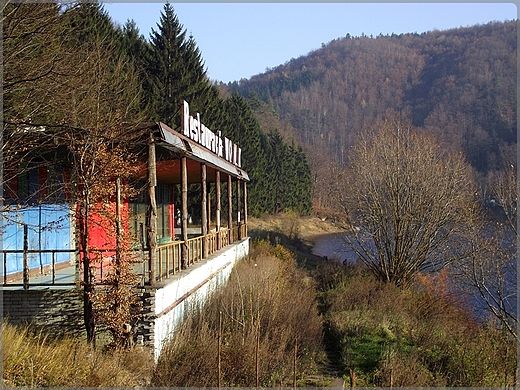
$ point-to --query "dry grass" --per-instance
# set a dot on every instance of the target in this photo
(419, 336)
(266, 308)
(30, 359)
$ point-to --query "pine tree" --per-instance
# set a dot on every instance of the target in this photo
(244, 130)
(176, 70)
(291, 177)
(278, 152)
(304, 182)
(140, 53)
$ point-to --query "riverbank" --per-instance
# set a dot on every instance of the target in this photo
(308, 228)
(309, 238)
(388, 336)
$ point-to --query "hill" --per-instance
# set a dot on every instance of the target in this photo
(458, 84)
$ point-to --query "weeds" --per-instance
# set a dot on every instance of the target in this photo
(30, 359)
(266, 308)
(387, 336)
(416, 336)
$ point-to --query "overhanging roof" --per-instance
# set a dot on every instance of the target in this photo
(176, 142)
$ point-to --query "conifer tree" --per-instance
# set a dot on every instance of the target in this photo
(278, 151)
(175, 69)
(140, 53)
(244, 130)
(291, 177)
(304, 187)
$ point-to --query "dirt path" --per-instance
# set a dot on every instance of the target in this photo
(300, 235)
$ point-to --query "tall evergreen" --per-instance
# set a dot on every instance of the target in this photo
(165, 68)
(291, 176)
(140, 52)
(278, 152)
(304, 182)
(176, 69)
(245, 131)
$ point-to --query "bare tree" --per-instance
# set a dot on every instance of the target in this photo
(101, 96)
(34, 64)
(68, 91)
(405, 200)
(489, 272)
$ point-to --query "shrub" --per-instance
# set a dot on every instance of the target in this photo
(32, 359)
(419, 335)
(267, 307)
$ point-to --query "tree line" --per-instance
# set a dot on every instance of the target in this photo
(457, 84)
(68, 66)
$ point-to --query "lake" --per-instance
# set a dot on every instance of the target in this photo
(333, 246)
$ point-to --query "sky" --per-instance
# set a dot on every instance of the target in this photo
(240, 40)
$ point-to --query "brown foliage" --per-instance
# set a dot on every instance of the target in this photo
(267, 302)
(406, 200)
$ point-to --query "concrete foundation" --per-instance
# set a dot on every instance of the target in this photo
(60, 311)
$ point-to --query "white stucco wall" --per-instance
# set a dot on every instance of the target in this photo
(192, 285)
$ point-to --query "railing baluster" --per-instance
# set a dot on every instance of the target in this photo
(160, 264)
(167, 261)
(53, 267)
(5, 267)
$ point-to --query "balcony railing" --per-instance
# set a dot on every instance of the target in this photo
(168, 259)
(70, 273)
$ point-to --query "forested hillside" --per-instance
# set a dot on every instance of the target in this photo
(71, 67)
(458, 84)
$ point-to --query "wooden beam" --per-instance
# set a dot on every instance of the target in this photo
(230, 206)
(245, 206)
(119, 229)
(184, 213)
(239, 209)
(151, 220)
(204, 209)
(217, 195)
(209, 207)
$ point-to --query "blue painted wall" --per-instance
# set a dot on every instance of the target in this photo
(49, 227)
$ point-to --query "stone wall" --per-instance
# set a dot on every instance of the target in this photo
(59, 311)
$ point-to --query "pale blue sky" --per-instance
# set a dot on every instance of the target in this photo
(239, 40)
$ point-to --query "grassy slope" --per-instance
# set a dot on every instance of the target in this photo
(387, 336)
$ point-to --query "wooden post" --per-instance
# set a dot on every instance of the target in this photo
(230, 207)
(118, 237)
(217, 212)
(152, 210)
(257, 360)
(294, 362)
(209, 207)
(245, 208)
(184, 213)
(118, 221)
(25, 257)
(239, 209)
(219, 349)
(204, 216)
